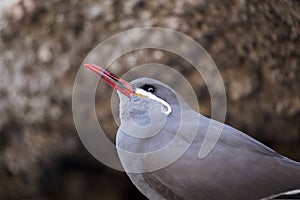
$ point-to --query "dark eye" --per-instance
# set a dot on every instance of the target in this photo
(148, 88)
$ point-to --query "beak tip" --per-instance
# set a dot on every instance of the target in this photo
(87, 65)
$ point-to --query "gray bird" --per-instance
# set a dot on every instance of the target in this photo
(238, 167)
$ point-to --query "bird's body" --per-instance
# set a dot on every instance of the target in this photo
(165, 164)
(238, 167)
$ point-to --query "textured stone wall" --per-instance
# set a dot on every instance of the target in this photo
(254, 43)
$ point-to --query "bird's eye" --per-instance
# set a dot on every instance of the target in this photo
(148, 88)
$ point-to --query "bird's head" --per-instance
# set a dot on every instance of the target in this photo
(141, 96)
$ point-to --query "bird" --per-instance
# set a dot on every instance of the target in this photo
(238, 166)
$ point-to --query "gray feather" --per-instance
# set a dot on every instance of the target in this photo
(238, 167)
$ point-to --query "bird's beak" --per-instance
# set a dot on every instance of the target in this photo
(115, 82)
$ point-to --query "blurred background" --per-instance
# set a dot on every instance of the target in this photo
(255, 44)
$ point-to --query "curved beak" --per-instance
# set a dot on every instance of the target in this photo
(115, 82)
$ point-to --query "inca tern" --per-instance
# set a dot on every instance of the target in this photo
(238, 167)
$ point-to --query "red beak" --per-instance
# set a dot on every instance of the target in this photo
(115, 82)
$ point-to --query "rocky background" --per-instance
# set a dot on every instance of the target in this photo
(255, 44)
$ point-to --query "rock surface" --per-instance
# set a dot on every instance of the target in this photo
(254, 43)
